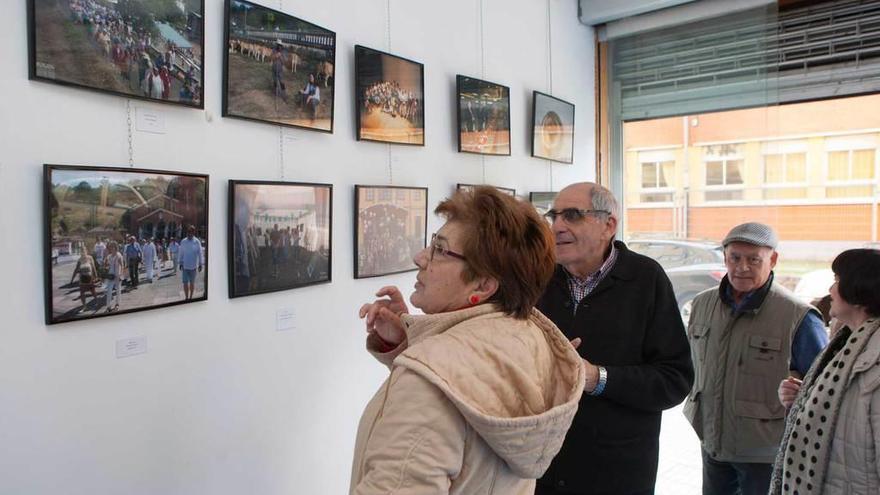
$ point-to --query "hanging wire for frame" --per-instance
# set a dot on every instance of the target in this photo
(550, 72)
(281, 151)
(280, 129)
(388, 25)
(128, 122)
(390, 167)
(388, 48)
(549, 50)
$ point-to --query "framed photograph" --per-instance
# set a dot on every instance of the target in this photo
(542, 201)
(121, 240)
(279, 236)
(390, 228)
(468, 187)
(389, 98)
(277, 68)
(483, 117)
(552, 128)
(147, 49)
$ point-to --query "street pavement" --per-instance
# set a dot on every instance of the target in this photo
(165, 288)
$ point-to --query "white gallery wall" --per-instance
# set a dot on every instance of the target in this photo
(221, 402)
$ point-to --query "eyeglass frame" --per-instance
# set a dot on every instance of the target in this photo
(752, 261)
(552, 214)
(443, 251)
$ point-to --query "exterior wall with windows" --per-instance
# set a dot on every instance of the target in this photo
(810, 169)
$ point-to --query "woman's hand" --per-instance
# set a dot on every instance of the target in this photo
(788, 390)
(383, 315)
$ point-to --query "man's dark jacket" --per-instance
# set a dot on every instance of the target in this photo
(631, 325)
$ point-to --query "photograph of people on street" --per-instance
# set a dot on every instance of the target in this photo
(390, 97)
(552, 128)
(122, 240)
(542, 201)
(483, 117)
(279, 69)
(280, 236)
(149, 49)
(390, 228)
(470, 187)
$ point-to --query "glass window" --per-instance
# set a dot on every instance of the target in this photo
(714, 173)
(863, 164)
(838, 165)
(649, 175)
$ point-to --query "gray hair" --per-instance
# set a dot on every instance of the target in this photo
(603, 199)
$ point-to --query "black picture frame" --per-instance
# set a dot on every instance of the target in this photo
(468, 187)
(40, 69)
(304, 274)
(482, 120)
(136, 197)
(386, 240)
(368, 62)
(542, 200)
(303, 48)
(550, 138)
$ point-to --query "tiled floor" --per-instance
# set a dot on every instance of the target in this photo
(679, 472)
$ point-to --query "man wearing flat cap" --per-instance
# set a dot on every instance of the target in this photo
(746, 336)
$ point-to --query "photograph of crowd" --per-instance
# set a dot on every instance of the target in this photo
(552, 128)
(542, 201)
(483, 117)
(149, 49)
(120, 240)
(390, 97)
(470, 187)
(278, 68)
(390, 228)
(280, 236)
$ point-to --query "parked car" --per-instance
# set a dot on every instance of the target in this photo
(692, 266)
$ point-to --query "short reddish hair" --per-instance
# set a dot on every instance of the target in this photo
(505, 239)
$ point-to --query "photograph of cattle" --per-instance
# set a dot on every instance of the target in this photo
(280, 236)
(390, 99)
(470, 188)
(148, 49)
(552, 128)
(278, 69)
(120, 240)
(390, 229)
(483, 117)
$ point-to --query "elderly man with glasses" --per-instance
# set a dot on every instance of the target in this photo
(620, 307)
(747, 335)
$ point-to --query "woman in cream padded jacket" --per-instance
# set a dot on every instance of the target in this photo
(482, 387)
(831, 444)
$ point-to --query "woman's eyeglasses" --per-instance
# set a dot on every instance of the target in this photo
(437, 248)
(572, 215)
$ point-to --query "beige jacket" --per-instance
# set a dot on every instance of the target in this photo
(476, 403)
(854, 463)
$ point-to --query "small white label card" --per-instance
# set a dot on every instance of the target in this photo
(284, 319)
(131, 347)
(150, 120)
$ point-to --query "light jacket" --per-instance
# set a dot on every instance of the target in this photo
(740, 358)
(853, 466)
(476, 403)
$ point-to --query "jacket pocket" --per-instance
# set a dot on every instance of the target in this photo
(759, 428)
(763, 351)
(698, 335)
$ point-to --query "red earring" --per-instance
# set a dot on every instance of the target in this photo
(475, 300)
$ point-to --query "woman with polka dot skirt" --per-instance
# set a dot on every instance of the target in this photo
(832, 433)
